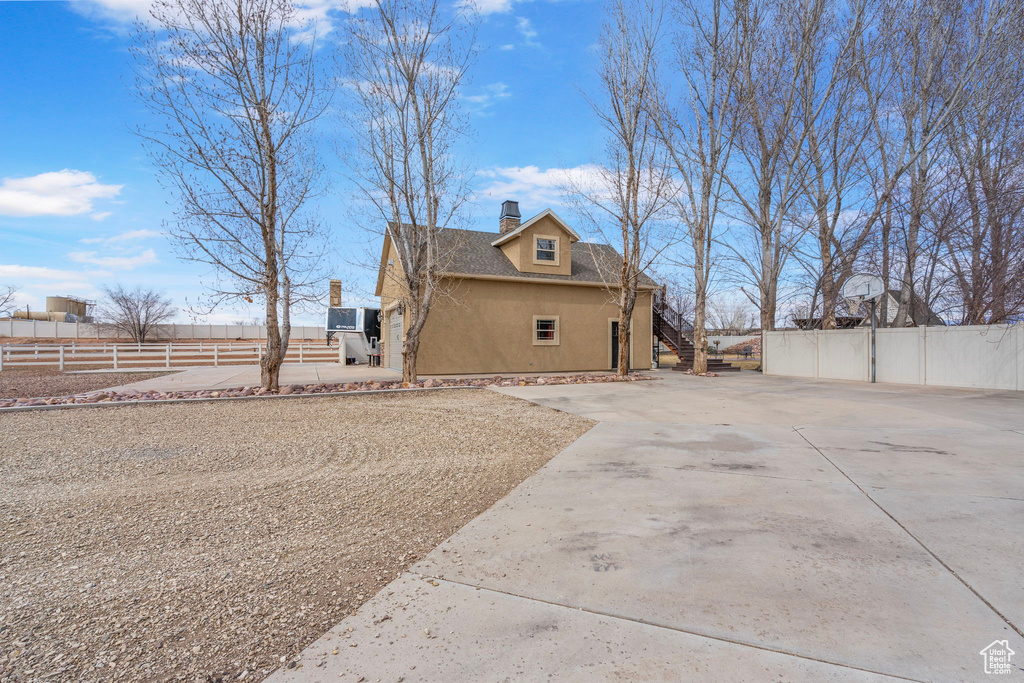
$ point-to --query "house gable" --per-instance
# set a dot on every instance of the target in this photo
(389, 273)
(542, 245)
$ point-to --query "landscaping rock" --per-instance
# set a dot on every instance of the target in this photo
(131, 396)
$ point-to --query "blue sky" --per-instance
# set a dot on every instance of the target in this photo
(79, 202)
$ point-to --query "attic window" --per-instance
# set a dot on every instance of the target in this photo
(547, 250)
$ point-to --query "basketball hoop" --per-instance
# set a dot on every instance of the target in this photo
(862, 287)
(853, 304)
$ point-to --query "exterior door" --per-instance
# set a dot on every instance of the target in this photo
(615, 345)
(395, 341)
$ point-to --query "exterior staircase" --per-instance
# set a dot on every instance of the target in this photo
(672, 330)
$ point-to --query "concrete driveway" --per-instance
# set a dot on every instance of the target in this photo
(232, 376)
(738, 528)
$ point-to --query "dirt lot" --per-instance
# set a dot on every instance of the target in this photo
(46, 382)
(208, 541)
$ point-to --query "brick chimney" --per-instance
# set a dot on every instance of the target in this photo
(510, 217)
(335, 293)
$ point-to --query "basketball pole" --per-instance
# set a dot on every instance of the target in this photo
(874, 302)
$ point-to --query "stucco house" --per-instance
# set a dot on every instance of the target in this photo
(529, 296)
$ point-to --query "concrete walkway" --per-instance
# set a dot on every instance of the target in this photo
(739, 528)
(233, 376)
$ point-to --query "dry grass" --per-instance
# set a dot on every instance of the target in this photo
(748, 364)
(667, 360)
(201, 541)
(46, 382)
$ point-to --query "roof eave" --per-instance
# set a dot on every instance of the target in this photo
(539, 280)
(546, 212)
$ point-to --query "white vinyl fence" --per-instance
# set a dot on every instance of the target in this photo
(41, 329)
(977, 356)
(167, 355)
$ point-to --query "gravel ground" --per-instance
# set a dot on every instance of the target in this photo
(209, 541)
(37, 382)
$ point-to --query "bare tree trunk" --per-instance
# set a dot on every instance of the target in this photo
(627, 301)
(700, 317)
(270, 365)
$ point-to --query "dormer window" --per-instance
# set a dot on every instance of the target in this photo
(546, 250)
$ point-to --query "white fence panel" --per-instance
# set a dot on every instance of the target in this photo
(42, 329)
(980, 356)
(793, 354)
(984, 356)
(898, 355)
(66, 330)
(844, 354)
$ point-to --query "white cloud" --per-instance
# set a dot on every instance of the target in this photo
(533, 188)
(14, 272)
(68, 286)
(490, 95)
(100, 215)
(129, 236)
(488, 6)
(527, 31)
(145, 258)
(312, 17)
(58, 193)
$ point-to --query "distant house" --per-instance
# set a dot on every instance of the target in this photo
(527, 297)
(920, 314)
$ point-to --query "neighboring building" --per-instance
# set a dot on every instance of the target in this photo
(919, 315)
(530, 297)
(60, 309)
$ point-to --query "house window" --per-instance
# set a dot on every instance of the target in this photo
(547, 250)
(545, 330)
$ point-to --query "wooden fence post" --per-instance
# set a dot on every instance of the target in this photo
(168, 355)
(62, 358)
(115, 356)
(1, 358)
(300, 354)
(216, 353)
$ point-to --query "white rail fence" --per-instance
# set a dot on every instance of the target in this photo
(976, 356)
(173, 355)
(42, 329)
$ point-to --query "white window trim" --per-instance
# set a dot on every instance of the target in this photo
(546, 342)
(558, 251)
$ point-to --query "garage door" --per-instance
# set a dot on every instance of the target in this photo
(395, 341)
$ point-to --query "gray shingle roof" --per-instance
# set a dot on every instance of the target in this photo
(473, 254)
(920, 313)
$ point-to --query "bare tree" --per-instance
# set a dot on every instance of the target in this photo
(404, 63)
(981, 227)
(729, 316)
(632, 189)
(237, 91)
(134, 312)
(929, 52)
(777, 52)
(697, 133)
(7, 296)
